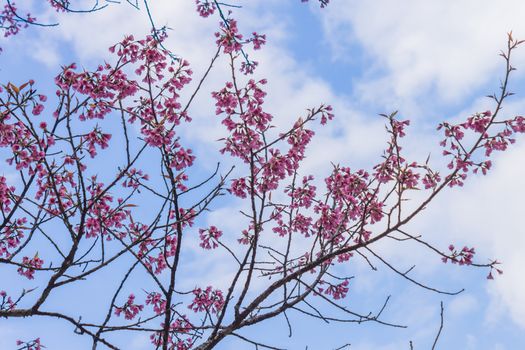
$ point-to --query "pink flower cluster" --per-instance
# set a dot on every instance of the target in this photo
(27, 150)
(258, 40)
(461, 257)
(462, 159)
(336, 291)
(11, 235)
(6, 304)
(96, 138)
(30, 345)
(302, 196)
(208, 300)
(134, 178)
(9, 21)
(158, 115)
(353, 200)
(247, 123)
(490, 276)
(29, 266)
(159, 304)
(209, 237)
(103, 91)
(232, 42)
(229, 37)
(105, 86)
(181, 325)
(38, 109)
(60, 5)
(101, 217)
(186, 217)
(158, 263)
(431, 179)
(394, 166)
(6, 193)
(57, 189)
(246, 236)
(205, 8)
(155, 252)
(129, 309)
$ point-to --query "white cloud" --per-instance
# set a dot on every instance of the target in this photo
(140, 341)
(461, 305)
(414, 48)
(5, 333)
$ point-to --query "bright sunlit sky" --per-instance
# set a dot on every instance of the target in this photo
(431, 60)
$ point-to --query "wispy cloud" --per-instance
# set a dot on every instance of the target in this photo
(414, 48)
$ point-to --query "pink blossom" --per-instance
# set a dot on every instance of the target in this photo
(336, 291)
(130, 309)
(209, 237)
(258, 40)
(6, 303)
(29, 266)
(205, 8)
(461, 257)
(30, 345)
(37, 109)
(229, 38)
(208, 300)
(10, 23)
(158, 303)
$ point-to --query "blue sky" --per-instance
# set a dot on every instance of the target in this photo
(430, 60)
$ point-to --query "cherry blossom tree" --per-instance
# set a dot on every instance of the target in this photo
(66, 219)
